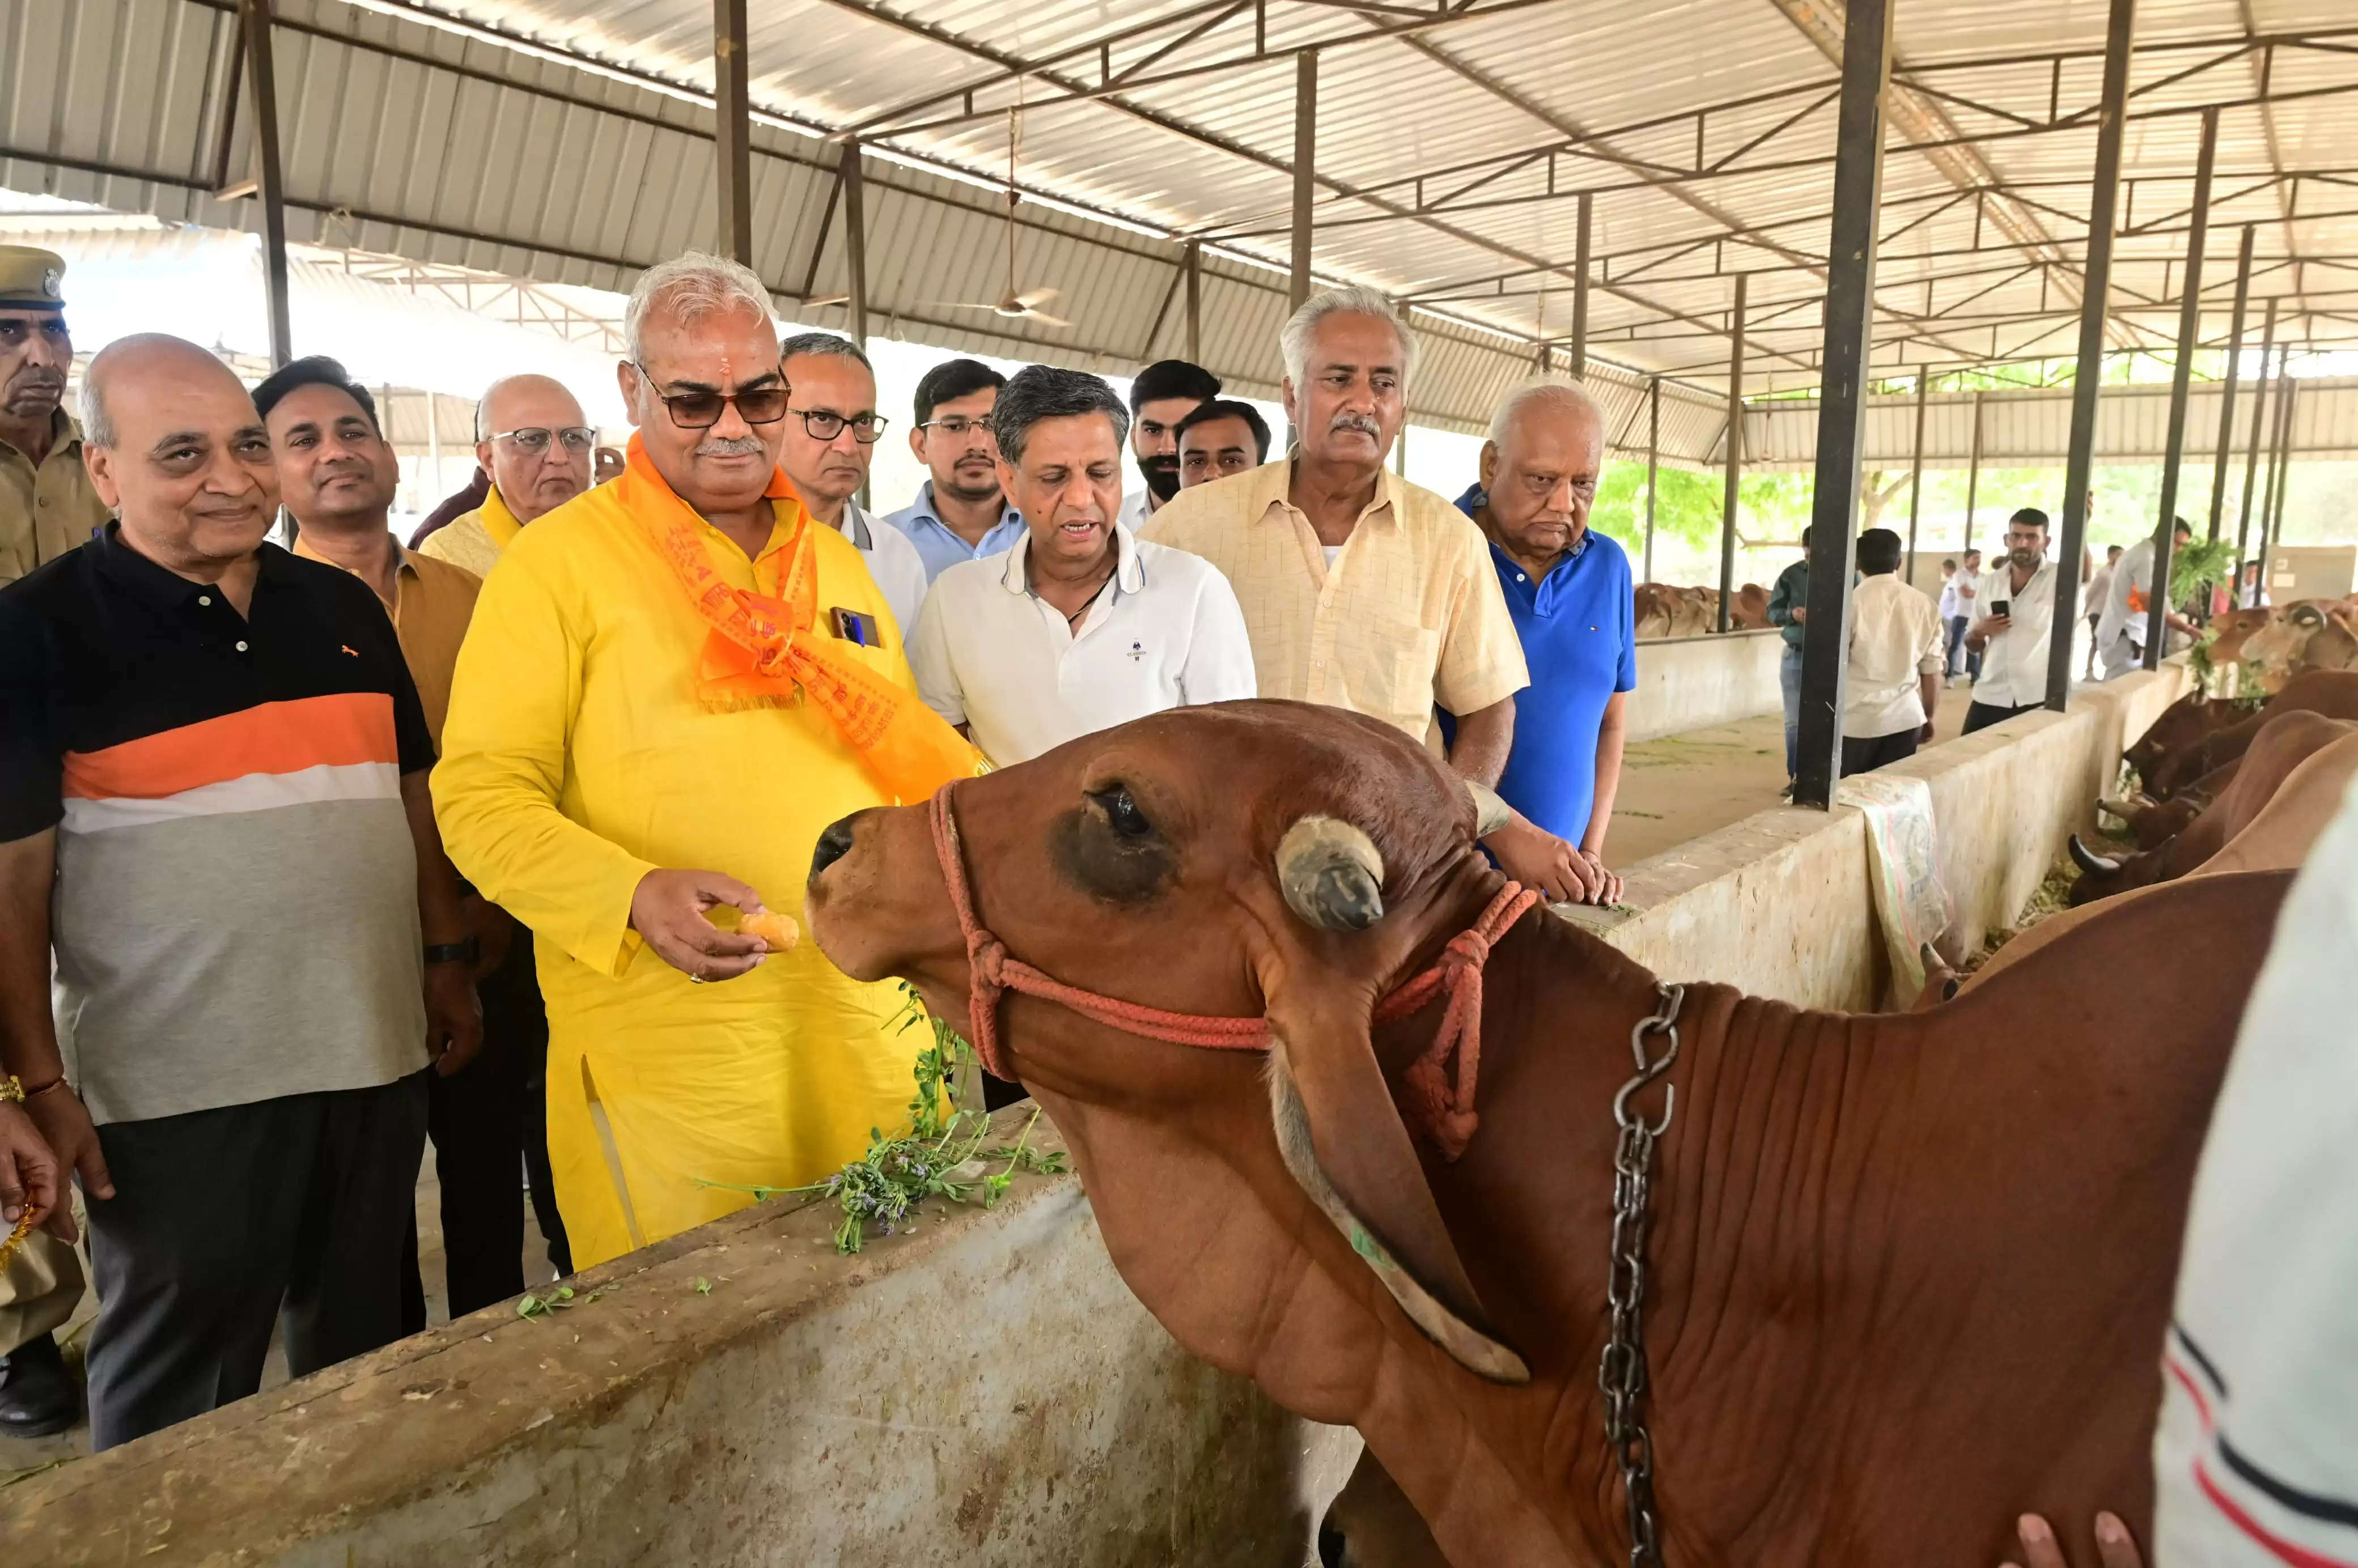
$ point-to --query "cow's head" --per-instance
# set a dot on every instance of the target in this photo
(1260, 858)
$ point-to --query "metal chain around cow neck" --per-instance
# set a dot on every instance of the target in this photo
(1621, 1371)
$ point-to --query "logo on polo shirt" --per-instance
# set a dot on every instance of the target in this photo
(1137, 652)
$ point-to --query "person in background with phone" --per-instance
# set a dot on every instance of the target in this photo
(657, 713)
(2013, 638)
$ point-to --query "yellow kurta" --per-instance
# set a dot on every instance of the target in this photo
(575, 760)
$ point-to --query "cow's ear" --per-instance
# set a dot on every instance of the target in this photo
(1342, 1140)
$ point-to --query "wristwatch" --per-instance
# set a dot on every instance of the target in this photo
(468, 952)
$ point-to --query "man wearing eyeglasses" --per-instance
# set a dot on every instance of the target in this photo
(672, 686)
(536, 445)
(961, 514)
(831, 429)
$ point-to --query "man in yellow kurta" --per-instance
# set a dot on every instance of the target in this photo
(672, 683)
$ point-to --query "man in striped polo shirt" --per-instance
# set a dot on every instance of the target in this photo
(212, 767)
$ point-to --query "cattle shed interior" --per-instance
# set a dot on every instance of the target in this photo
(1773, 237)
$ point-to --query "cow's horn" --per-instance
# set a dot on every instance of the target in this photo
(1331, 873)
(2124, 809)
(2088, 860)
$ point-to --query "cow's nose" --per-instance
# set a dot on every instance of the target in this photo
(833, 844)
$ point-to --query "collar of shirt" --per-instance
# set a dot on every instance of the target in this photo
(405, 564)
(1129, 571)
(1273, 485)
(1544, 594)
(922, 510)
(855, 527)
(159, 586)
(499, 522)
(65, 437)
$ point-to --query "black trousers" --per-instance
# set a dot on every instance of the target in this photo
(1866, 754)
(223, 1220)
(489, 1126)
(1982, 714)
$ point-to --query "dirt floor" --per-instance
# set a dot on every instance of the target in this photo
(1681, 786)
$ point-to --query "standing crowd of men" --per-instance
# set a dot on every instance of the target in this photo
(312, 856)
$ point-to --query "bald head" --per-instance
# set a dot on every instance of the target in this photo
(535, 443)
(173, 444)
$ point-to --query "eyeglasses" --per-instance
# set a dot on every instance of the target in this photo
(534, 439)
(702, 410)
(955, 425)
(826, 425)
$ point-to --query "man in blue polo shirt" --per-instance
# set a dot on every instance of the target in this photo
(1568, 592)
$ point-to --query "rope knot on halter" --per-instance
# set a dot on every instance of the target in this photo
(1448, 1108)
(1447, 1111)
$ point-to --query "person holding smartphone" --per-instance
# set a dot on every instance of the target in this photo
(2012, 638)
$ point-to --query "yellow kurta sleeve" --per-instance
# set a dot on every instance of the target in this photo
(514, 704)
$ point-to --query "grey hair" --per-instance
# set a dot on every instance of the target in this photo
(821, 345)
(1293, 339)
(1043, 392)
(97, 429)
(692, 284)
(1559, 394)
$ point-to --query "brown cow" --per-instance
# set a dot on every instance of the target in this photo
(1656, 608)
(2333, 693)
(2183, 723)
(1751, 611)
(2282, 744)
(1909, 1274)
(2312, 635)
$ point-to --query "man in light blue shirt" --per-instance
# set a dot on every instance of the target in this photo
(960, 513)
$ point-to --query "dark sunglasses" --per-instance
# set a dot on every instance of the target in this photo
(702, 410)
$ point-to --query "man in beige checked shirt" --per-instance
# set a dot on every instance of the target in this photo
(1362, 590)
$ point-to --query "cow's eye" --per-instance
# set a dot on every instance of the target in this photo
(1123, 813)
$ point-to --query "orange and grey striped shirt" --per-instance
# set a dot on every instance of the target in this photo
(236, 911)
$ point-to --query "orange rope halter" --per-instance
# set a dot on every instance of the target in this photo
(1445, 1109)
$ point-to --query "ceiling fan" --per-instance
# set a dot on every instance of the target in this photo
(1022, 305)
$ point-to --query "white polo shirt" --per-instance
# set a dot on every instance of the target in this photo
(991, 655)
(1895, 638)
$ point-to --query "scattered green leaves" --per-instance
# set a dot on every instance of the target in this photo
(883, 1187)
(562, 1297)
(703, 1286)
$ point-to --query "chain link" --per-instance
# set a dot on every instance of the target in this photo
(1621, 1371)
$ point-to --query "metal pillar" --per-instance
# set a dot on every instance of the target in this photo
(1580, 293)
(1973, 475)
(2272, 518)
(1194, 302)
(1842, 396)
(2097, 286)
(2181, 378)
(1653, 463)
(1735, 453)
(855, 237)
(2252, 458)
(732, 129)
(2227, 387)
(1305, 157)
(1916, 472)
(255, 16)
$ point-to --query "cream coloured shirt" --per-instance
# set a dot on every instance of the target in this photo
(1408, 614)
(1895, 637)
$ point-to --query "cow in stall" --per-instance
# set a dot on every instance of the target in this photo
(2283, 744)
(1907, 1276)
(2333, 693)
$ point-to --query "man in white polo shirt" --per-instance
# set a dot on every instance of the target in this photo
(1079, 626)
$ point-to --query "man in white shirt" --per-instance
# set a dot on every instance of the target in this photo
(2100, 590)
(1895, 661)
(831, 428)
(1078, 626)
(1957, 607)
(1163, 393)
(2120, 632)
(2013, 637)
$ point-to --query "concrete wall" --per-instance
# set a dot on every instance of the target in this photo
(1689, 683)
(984, 1391)
(1779, 904)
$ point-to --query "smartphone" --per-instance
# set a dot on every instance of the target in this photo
(853, 626)
(1997, 607)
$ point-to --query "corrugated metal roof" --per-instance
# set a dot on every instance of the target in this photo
(2031, 429)
(570, 143)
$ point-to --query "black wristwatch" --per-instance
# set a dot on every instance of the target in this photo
(468, 952)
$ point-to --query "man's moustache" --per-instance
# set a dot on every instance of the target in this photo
(1359, 422)
(729, 447)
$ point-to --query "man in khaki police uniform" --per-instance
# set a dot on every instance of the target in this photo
(46, 504)
(47, 507)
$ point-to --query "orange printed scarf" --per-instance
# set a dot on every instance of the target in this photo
(765, 651)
